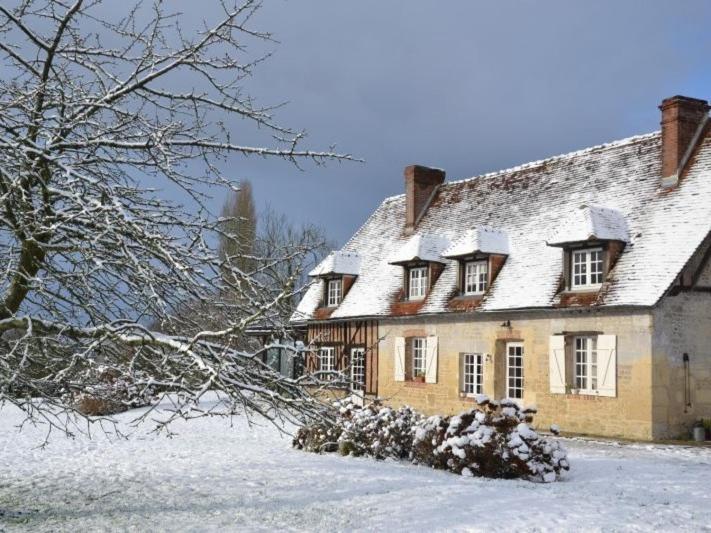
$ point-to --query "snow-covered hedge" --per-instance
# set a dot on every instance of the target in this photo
(493, 440)
(377, 431)
(373, 430)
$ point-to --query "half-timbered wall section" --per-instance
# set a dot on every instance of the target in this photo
(345, 336)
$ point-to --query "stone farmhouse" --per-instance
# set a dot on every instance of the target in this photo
(580, 284)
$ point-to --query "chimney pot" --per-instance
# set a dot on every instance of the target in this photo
(420, 184)
(683, 120)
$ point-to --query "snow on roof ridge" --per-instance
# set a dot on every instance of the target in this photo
(532, 164)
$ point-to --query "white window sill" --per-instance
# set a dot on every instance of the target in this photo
(584, 392)
(586, 288)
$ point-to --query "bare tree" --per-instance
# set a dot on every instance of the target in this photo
(239, 230)
(276, 236)
(96, 117)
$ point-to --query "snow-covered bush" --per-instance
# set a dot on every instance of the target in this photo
(317, 438)
(492, 440)
(110, 392)
(377, 431)
(373, 430)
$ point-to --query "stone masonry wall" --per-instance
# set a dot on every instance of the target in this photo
(627, 415)
(682, 324)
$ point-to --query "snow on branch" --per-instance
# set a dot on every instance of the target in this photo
(100, 110)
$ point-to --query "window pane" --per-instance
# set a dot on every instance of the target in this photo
(587, 268)
(473, 373)
(586, 363)
(593, 363)
(596, 267)
(327, 360)
(418, 356)
(418, 282)
(358, 368)
(334, 292)
(515, 370)
(476, 274)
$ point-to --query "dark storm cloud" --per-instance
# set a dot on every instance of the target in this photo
(467, 86)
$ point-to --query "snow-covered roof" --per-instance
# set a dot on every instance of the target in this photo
(482, 239)
(420, 247)
(529, 203)
(590, 222)
(338, 262)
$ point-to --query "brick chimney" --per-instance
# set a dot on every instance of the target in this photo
(683, 122)
(420, 185)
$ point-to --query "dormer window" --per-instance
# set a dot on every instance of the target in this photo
(587, 268)
(334, 292)
(476, 275)
(592, 238)
(480, 254)
(337, 272)
(420, 257)
(417, 283)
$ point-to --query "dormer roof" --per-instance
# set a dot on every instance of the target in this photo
(482, 239)
(590, 223)
(338, 263)
(420, 247)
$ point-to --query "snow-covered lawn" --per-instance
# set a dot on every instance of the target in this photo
(217, 476)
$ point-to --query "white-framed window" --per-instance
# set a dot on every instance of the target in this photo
(472, 373)
(419, 349)
(327, 359)
(334, 292)
(358, 369)
(476, 275)
(586, 364)
(586, 268)
(418, 283)
(514, 370)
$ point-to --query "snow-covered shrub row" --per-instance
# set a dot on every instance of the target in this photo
(318, 438)
(373, 430)
(493, 440)
(377, 431)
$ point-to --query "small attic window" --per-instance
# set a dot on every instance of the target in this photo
(587, 268)
(421, 259)
(480, 254)
(334, 292)
(338, 271)
(476, 275)
(591, 238)
(417, 283)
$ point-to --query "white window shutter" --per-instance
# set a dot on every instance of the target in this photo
(399, 358)
(607, 365)
(556, 362)
(431, 360)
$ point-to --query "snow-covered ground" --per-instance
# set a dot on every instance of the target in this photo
(217, 476)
